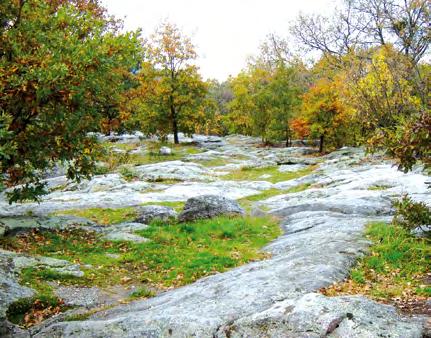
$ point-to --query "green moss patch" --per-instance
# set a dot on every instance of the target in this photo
(103, 216)
(274, 175)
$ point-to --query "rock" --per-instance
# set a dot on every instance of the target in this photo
(79, 296)
(165, 151)
(14, 225)
(291, 167)
(322, 316)
(125, 236)
(12, 263)
(123, 232)
(209, 206)
(146, 214)
(173, 170)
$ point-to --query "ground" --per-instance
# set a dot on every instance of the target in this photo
(309, 224)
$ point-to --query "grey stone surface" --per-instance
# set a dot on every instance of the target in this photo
(79, 296)
(13, 225)
(209, 206)
(122, 232)
(125, 236)
(12, 263)
(314, 316)
(165, 151)
(148, 213)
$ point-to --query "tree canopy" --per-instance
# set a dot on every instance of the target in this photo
(59, 63)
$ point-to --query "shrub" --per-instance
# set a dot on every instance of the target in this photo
(411, 215)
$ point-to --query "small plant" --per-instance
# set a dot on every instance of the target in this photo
(411, 215)
(77, 317)
(128, 173)
(142, 293)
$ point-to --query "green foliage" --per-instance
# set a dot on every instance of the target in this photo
(59, 63)
(264, 101)
(392, 100)
(411, 215)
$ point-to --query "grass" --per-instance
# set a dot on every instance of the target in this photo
(254, 174)
(103, 216)
(177, 254)
(379, 187)
(215, 162)
(142, 292)
(395, 270)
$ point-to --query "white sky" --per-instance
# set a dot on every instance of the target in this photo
(225, 32)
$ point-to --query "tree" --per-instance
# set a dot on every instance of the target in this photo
(177, 88)
(393, 107)
(360, 24)
(58, 61)
(266, 97)
(327, 114)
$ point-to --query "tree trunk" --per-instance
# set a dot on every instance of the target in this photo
(175, 130)
(321, 143)
(174, 125)
(288, 137)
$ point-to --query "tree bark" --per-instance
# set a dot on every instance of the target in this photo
(322, 138)
(287, 137)
(174, 125)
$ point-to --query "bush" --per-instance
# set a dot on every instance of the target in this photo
(411, 215)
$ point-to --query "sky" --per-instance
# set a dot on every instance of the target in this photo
(225, 32)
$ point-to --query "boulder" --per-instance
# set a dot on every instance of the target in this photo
(208, 206)
(148, 213)
(165, 151)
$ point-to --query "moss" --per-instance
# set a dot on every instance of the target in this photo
(379, 187)
(104, 216)
(142, 292)
(77, 317)
(275, 176)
